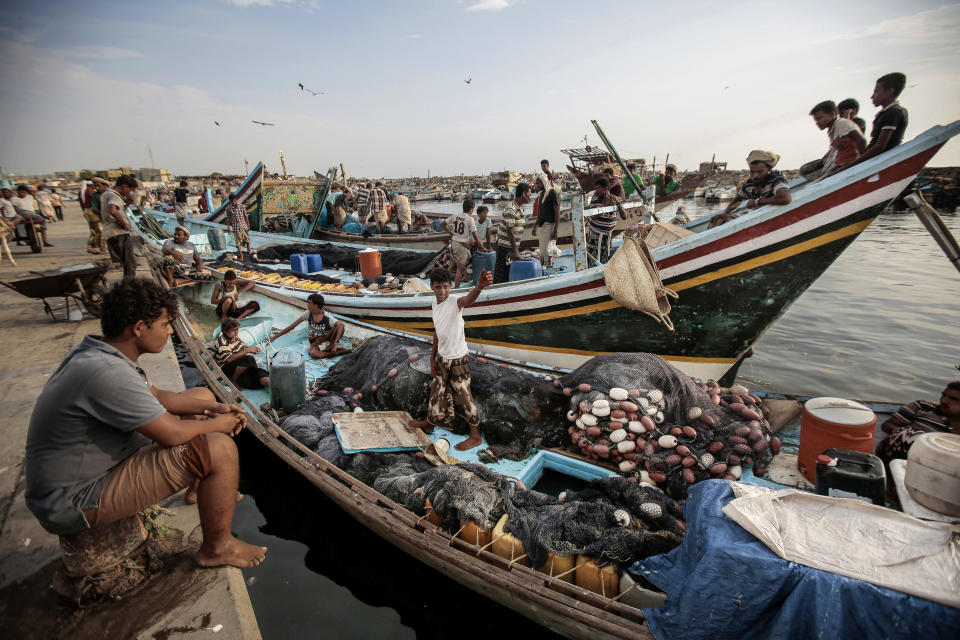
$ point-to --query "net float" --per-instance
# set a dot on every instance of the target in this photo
(650, 448)
(718, 469)
(742, 431)
(694, 412)
(716, 447)
(635, 426)
(737, 439)
(673, 461)
(742, 448)
(706, 460)
(688, 476)
(630, 455)
(657, 477)
(651, 510)
(414, 356)
(756, 434)
(683, 450)
(690, 432)
(774, 445)
(556, 381)
(677, 431)
(633, 393)
(348, 389)
(618, 413)
(708, 420)
(618, 393)
(689, 461)
(584, 387)
(655, 395)
(626, 446)
(601, 411)
(373, 388)
(628, 406)
(737, 406)
(643, 402)
(594, 432)
(760, 447)
(357, 396)
(601, 450)
(618, 435)
(648, 423)
(658, 418)
(323, 392)
(667, 442)
(749, 413)
(736, 471)
(391, 373)
(633, 416)
(715, 399)
(651, 410)
(572, 415)
(739, 389)
(645, 477)
(584, 406)
(627, 466)
(580, 424)
(733, 459)
(589, 419)
(602, 403)
(567, 391)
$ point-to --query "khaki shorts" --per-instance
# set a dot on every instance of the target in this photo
(461, 253)
(241, 238)
(148, 476)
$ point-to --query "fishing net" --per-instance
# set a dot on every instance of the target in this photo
(391, 373)
(661, 427)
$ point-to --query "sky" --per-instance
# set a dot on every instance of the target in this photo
(92, 84)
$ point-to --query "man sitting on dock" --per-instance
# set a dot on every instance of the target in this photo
(764, 186)
(89, 456)
(178, 253)
(450, 360)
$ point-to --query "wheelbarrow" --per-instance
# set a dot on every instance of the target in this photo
(81, 286)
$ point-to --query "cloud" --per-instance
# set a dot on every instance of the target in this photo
(256, 3)
(96, 52)
(489, 5)
(415, 36)
(937, 27)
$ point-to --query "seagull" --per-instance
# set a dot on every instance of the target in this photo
(726, 87)
(263, 124)
(300, 84)
(308, 90)
(216, 123)
(468, 80)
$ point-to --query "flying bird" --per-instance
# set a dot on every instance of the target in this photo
(262, 124)
(468, 80)
(726, 87)
(216, 123)
(308, 90)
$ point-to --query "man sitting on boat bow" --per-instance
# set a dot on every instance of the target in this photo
(764, 186)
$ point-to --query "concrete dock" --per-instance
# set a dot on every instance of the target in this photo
(181, 600)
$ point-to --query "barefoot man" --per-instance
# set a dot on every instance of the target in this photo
(450, 359)
(104, 443)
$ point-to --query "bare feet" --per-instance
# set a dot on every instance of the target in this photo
(469, 443)
(231, 552)
(190, 497)
(423, 425)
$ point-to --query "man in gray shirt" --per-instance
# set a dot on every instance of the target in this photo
(104, 443)
(116, 227)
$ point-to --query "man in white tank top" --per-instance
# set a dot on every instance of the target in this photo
(450, 360)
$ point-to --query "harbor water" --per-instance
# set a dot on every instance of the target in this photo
(880, 324)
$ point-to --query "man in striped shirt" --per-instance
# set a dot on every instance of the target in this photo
(377, 204)
(601, 225)
(917, 418)
(238, 224)
(509, 233)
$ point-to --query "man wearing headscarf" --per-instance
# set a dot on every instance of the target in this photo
(764, 186)
(548, 215)
(179, 253)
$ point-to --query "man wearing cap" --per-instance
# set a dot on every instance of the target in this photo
(548, 215)
(116, 227)
(178, 253)
(764, 186)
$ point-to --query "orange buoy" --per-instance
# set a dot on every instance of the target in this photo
(833, 423)
(370, 263)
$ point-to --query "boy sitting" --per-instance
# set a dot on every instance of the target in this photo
(450, 359)
(235, 359)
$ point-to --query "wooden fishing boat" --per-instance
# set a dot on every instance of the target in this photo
(552, 601)
(733, 281)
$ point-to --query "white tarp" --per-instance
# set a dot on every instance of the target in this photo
(855, 539)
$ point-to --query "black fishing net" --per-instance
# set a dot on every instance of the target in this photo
(395, 261)
(391, 373)
(662, 427)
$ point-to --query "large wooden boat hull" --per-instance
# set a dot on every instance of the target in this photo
(733, 281)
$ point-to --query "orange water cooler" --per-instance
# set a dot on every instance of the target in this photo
(833, 423)
(370, 263)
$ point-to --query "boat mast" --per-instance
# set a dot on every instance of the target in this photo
(283, 163)
(613, 152)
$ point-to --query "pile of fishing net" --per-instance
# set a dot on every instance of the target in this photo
(518, 410)
(661, 427)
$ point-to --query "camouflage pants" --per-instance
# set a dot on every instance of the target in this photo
(451, 389)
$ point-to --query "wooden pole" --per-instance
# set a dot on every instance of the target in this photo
(623, 166)
(343, 172)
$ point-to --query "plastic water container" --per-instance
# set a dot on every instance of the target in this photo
(288, 380)
(298, 263)
(525, 269)
(483, 260)
(932, 477)
(314, 262)
(217, 239)
(833, 423)
(438, 225)
(855, 475)
(370, 265)
(352, 227)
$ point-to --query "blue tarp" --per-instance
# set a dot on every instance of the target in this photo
(724, 583)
